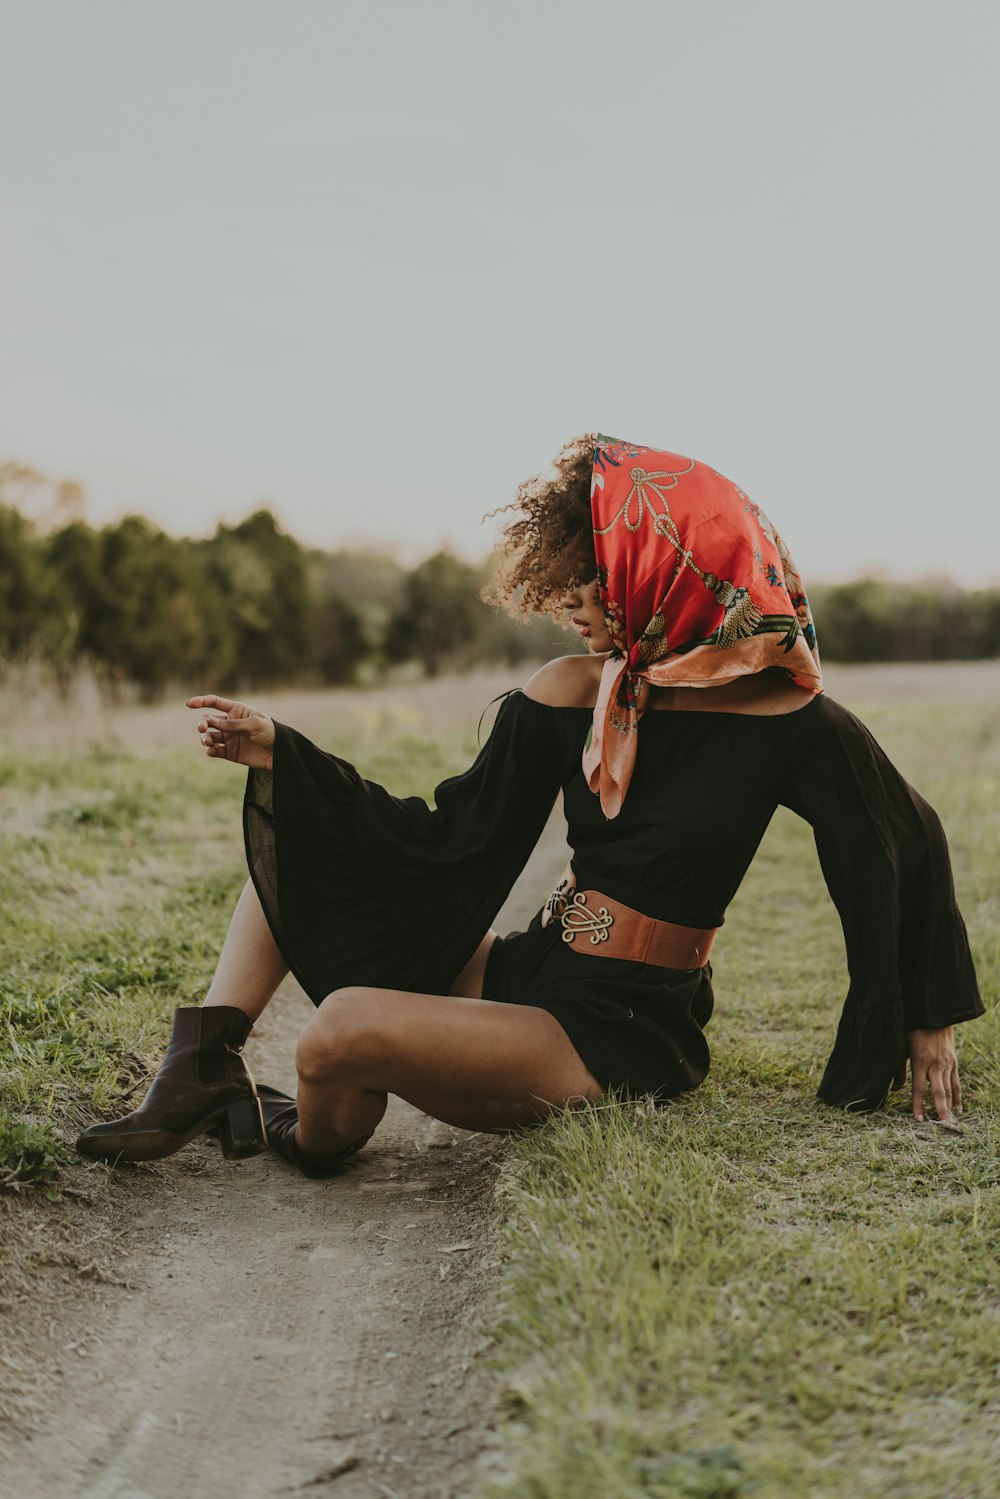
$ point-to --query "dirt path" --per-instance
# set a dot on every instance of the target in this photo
(276, 1335)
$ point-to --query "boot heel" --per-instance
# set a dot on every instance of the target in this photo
(241, 1130)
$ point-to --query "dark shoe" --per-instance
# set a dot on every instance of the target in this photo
(280, 1120)
(203, 1084)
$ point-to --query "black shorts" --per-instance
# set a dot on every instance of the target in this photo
(637, 1028)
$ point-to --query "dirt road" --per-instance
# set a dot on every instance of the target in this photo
(277, 1335)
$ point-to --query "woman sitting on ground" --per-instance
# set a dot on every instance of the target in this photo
(698, 711)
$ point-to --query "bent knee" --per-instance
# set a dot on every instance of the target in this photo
(345, 1034)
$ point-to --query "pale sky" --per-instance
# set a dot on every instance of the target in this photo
(371, 261)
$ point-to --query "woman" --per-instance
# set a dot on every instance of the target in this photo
(697, 712)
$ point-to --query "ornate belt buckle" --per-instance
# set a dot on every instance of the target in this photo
(578, 917)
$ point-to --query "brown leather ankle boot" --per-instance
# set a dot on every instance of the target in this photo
(203, 1083)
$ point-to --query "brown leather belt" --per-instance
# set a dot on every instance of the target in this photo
(595, 924)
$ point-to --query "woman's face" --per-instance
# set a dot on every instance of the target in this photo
(583, 605)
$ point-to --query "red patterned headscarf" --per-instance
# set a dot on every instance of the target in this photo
(697, 587)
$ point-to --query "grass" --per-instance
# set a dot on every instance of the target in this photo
(745, 1293)
(741, 1294)
(104, 860)
(117, 876)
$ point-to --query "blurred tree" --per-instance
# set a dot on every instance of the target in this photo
(257, 573)
(353, 596)
(138, 615)
(371, 579)
(22, 586)
(441, 620)
(79, 597)
(340, 640)
(848, 620)
(876, 620)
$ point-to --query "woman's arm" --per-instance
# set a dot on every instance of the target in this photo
(885, 859)
(234, 731)
(332, 843)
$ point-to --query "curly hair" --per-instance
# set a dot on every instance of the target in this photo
(548, 546)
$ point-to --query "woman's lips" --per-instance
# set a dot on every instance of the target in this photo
(582, 626)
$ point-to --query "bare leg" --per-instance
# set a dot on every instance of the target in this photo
(250, 966)
(470, 980)
(469, 1062)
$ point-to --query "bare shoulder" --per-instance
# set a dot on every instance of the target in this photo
(566, 682)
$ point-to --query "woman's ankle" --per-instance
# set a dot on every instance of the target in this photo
(219, 998)
(310, 1155)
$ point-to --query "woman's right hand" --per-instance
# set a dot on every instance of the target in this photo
(934, 1065)
(232, 731)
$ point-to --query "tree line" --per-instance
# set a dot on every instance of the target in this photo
(142, 610)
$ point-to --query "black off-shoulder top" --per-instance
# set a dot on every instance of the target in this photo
(361, 887)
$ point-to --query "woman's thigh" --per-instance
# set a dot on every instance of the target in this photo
(474, 1063)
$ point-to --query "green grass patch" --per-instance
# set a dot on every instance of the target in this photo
(745, 1293)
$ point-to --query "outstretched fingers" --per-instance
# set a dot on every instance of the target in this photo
(210, 700)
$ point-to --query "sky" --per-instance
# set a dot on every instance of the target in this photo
(370, 263)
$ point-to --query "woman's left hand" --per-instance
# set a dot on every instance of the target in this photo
(932, 1060)
(233, 731)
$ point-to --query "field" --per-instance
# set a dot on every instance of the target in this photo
(740, 1294)
(744, 1292)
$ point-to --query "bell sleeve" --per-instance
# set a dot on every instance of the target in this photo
(884, 857)
(362, 887)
